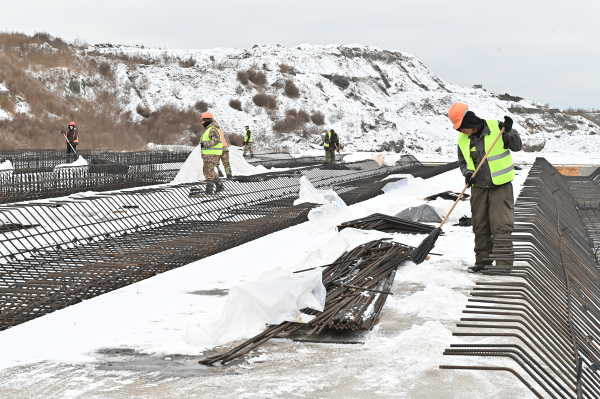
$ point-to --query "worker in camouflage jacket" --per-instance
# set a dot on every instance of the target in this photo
(492, 197)
(212, 150)
(331, 145)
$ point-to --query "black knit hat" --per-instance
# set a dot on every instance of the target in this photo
(471, 121)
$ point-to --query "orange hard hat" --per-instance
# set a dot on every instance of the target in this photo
(207, 115)
(456, 114)
(72, 123)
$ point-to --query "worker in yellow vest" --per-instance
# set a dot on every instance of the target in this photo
(248, 140)
(331, 143)
(492, 198)
(212, 149)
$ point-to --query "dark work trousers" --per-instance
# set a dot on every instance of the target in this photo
(330, 157)
(493, 218)
(69, 149)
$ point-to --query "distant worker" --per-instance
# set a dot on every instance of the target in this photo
(248, 142)
(212, 149)
(225, 155)
(492, 198)
(331, 144)
(71, 137)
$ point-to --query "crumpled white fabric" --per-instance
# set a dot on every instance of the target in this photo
(191, 171)
(79, 162)
(407, 180)
(277, 296)
(333, 211)
(344, 241)
(6, 165)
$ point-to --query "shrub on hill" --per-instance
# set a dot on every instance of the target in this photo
(265, 101)
(235, 104)
(291, 90)
(317, 118)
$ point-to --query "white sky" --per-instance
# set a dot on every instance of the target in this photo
(547, 51)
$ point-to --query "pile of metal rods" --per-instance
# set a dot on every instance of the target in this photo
(447, 195)
(387, 224)
(357, 285)
(547, 305)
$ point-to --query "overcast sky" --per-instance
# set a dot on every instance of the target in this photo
(547, 51)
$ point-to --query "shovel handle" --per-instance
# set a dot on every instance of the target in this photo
(70, 145)
(467, 185)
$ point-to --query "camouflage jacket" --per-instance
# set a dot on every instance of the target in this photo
(214, 136)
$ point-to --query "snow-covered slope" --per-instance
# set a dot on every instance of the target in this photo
(375, 99)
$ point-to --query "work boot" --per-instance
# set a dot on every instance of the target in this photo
(220, 187)
(476, 269)
(210, 188)
(228, 172)
(251, 155)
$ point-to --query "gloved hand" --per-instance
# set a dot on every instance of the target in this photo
(508, 122)
(505, 140)
(469, 178)
(201, 144)
(63, 132)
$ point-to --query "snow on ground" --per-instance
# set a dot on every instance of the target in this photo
(129, 342)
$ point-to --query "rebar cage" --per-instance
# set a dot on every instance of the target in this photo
(544, 307)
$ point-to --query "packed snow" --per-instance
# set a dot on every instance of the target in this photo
(67, 352)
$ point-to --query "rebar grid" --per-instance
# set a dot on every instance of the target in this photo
(36, 175)
(57, 252)
(546, 308)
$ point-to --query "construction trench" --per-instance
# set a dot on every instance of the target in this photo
(543, 313)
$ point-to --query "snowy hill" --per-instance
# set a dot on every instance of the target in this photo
(377, 100)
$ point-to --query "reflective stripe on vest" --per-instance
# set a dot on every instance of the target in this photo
(499, 161)
(328, 138)
(217, 149)
(248, 137)
(223, 141)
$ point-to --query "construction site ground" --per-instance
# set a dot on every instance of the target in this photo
(130, 343)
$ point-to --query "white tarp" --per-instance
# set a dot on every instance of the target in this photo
(191, 171)
(277, 296)
(6, 165)
(344, 241)
(333, 211)
(79, 162)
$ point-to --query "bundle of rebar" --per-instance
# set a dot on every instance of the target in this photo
(357, 285)
(547, 304)
(387, 224)
(447, 195)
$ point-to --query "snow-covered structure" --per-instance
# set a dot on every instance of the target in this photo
(377, 100)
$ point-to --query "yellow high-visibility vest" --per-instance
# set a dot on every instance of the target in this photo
(500, 161)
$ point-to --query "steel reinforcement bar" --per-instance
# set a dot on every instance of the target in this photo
(56, 253)
(543, 312)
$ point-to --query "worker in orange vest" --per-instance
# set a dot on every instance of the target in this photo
(71, 137)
